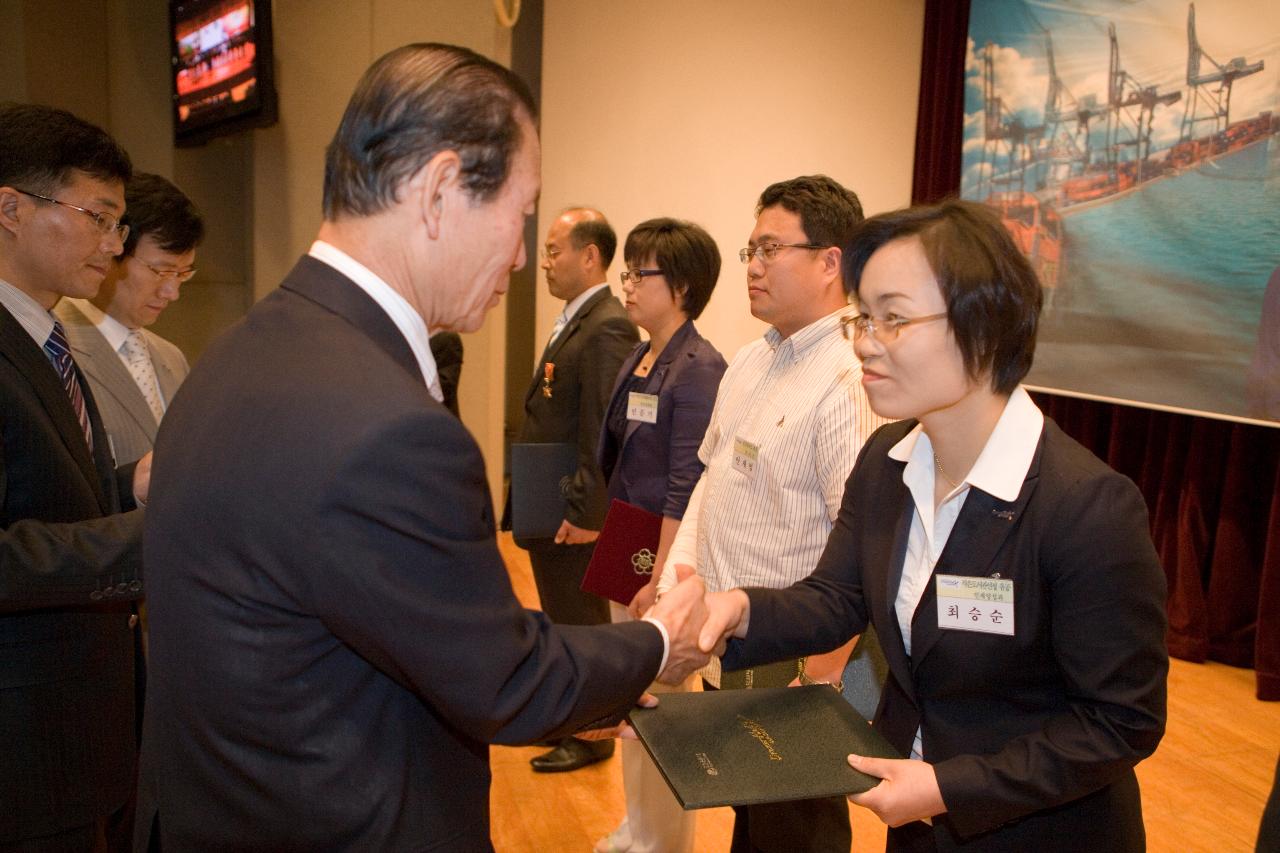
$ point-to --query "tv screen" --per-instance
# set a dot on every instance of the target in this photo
(221, 56)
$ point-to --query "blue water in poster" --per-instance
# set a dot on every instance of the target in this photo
(1148, 201)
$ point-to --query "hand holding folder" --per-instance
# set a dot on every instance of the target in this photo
(626, 553)
(739, 747)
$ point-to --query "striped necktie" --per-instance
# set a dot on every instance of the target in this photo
(59, 353)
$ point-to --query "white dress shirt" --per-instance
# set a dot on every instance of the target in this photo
(29, 313)
(999, 471)
(407, 320)
(799, 402)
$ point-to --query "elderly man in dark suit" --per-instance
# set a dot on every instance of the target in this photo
(566, 404)
(68, 566)
(336, 641)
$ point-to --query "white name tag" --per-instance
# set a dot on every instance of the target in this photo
(975, 604)
(642, 407)
(745, 456)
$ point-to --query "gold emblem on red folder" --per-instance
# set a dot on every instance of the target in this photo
(548, 376)
(642, 561)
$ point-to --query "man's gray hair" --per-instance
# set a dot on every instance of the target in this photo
(413, 103)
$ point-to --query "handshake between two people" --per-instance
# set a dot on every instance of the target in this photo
(698, 623)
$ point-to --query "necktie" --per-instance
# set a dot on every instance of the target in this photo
(561, 321)
(59, 353)
(143, 371)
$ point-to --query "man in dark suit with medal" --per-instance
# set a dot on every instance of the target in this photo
(566, 403)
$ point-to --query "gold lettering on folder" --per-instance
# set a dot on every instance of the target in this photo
(762, 735)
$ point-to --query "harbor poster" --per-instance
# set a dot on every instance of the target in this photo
(1132, 148)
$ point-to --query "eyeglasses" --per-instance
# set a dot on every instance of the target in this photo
(107, 224)
(177, 276)
(768, 251)
(546, 253)
(635, 276)
(884, 330)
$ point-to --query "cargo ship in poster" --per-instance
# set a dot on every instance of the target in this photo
(1087, 152)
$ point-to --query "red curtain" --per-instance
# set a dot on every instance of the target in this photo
(1212, 487)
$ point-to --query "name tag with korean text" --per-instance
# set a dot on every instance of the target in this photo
(642, 407)
(975, 604)
(745, 456)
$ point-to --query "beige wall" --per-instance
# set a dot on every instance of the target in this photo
(689, 109)
(649, 108)
(322, 47)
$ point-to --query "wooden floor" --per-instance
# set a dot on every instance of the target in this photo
(1202, 791)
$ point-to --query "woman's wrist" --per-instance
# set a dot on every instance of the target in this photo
(806, 678)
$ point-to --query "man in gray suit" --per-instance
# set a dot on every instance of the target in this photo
(134, 373)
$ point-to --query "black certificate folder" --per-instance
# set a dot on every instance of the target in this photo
(539, 475)
(741, 747)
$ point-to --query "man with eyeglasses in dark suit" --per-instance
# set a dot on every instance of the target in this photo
(70, 565)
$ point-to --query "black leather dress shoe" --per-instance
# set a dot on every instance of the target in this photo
(571, 754)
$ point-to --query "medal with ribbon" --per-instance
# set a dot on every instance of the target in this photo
(548, 376)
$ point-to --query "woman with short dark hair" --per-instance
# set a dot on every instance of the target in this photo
(661, 405)
(1009, 573)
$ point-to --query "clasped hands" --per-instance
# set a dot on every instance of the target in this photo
(698, 623)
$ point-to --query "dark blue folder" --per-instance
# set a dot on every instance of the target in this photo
(539, 478)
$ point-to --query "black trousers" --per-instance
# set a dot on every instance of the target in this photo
(558, 572)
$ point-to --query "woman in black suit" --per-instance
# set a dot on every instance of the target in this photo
(1009, 573)
(648, 451)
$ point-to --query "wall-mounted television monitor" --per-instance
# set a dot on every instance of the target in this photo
(222, 73)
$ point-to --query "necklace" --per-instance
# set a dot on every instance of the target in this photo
(938, 462)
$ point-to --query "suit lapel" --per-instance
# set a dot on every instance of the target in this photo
(317, 281)
(29, 359)
(624, 373)
(980, 531)
(679, 344)
(104, 367)
(898, 513)
(654, 387)
(166, 376)
(553, 347)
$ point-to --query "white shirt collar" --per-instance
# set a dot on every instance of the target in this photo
(578, 301)
(1005, 459)
(112, 329)
(29, 313)
(802, 340)
(407, 320)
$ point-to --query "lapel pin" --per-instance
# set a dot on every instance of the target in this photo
(1006, 514)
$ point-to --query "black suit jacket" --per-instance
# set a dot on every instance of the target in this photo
(66, 647)
(656, 466)
(585, 358)
(1033, 737)
(334, 639)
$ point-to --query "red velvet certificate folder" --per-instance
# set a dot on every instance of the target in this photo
(626, 553)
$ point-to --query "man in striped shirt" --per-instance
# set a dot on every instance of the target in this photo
(789, 420)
